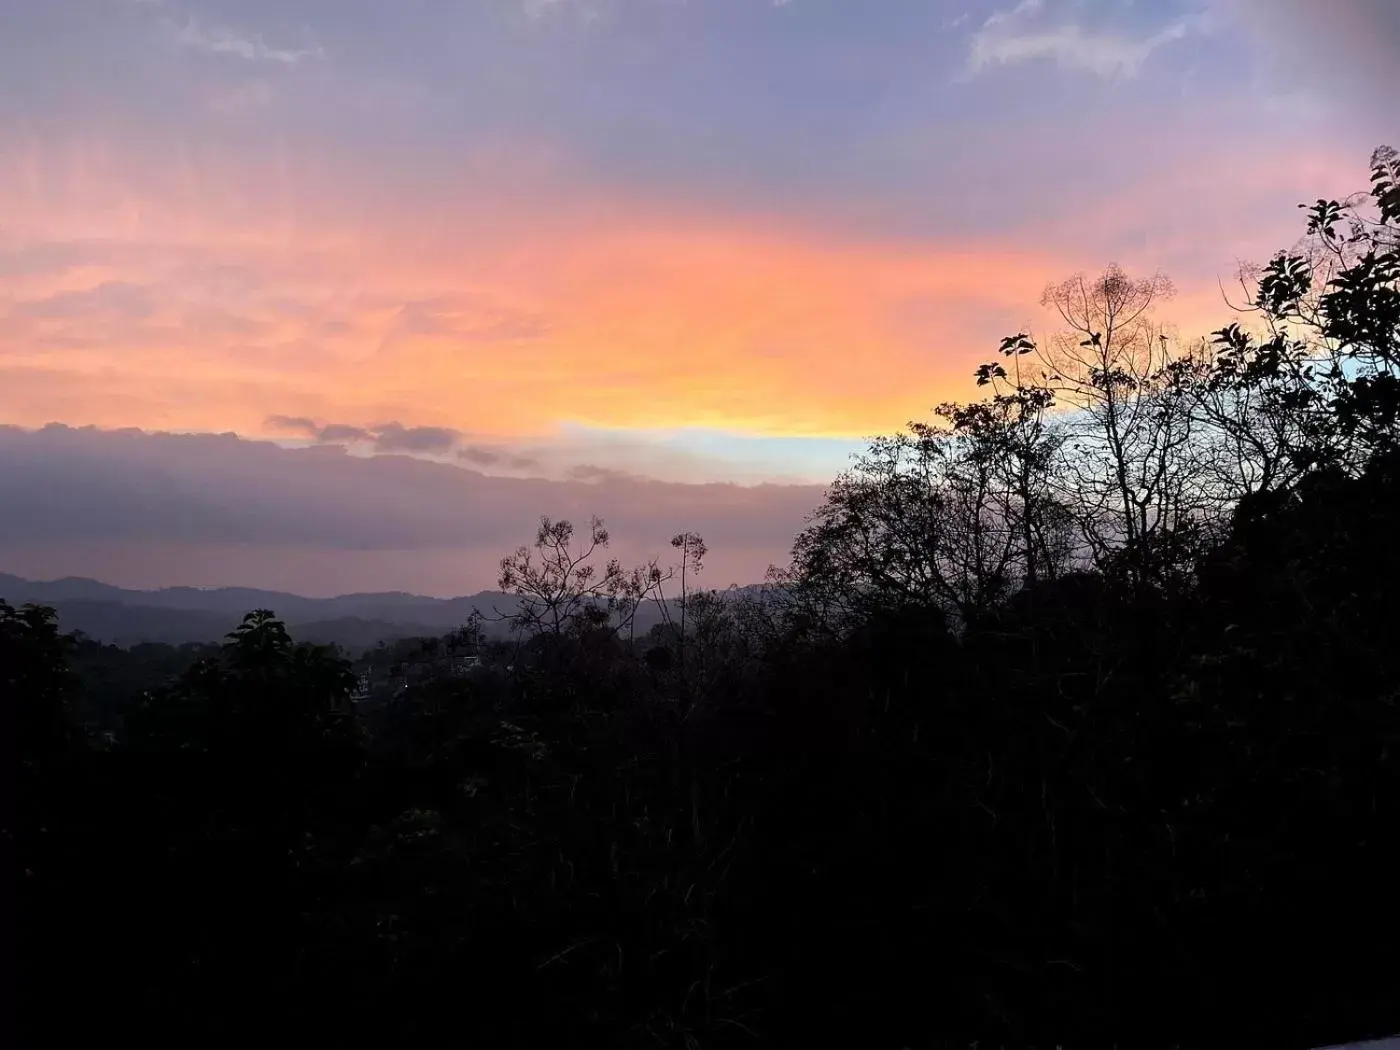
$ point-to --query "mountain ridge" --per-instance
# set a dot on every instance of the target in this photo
(177, 615)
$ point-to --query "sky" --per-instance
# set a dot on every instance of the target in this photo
(660, 260)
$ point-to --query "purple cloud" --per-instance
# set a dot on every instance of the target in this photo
(150, 509)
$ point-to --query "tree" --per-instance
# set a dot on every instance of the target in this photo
(35, 681)
(692, 551)
(952, 515)
(558, 587)
(1323, 359)
(260, 695)
(1128, 469)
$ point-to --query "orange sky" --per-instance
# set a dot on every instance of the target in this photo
(522, 228)
(201, 295)
(617, 313)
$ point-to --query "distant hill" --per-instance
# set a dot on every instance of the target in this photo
(447, 612)
(176, 615)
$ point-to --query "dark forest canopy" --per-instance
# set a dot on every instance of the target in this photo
(1073, 721)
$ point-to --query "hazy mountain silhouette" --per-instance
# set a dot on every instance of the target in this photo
(176, 615)
(191, 614)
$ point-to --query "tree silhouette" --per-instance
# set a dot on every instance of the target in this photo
(1073, 721)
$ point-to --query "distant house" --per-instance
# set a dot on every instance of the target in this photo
(395, 673)
(362, 688)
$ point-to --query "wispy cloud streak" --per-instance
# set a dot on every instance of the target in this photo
(223, 41)
(1028, 32)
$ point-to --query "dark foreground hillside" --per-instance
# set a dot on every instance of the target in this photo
(1039, 741)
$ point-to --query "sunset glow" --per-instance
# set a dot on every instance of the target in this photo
(531, 225)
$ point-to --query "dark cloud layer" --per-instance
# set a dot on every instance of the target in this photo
(587, 472)
(293, 424)
(340, 434)
(386, 437)
(481, 456)
(84, 497)
(395, 437)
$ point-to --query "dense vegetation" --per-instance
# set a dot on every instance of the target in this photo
(1073, 720)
